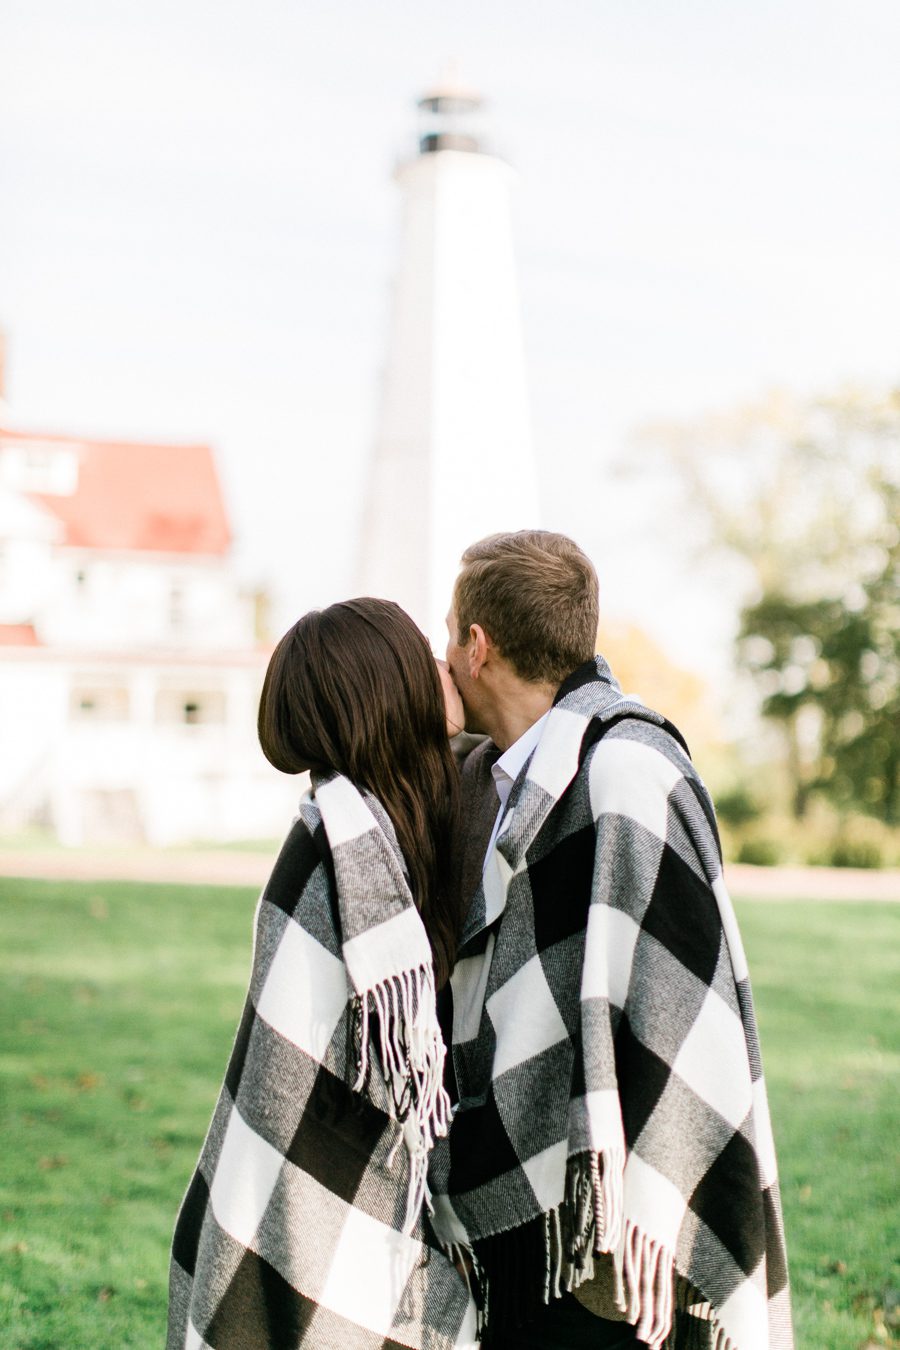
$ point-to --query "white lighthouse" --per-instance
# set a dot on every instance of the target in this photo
(453, 458)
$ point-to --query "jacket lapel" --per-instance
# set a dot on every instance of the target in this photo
(479, 808)
(479, 805)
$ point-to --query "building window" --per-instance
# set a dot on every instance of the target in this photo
(190, 707)
(40, 468)
(176, 607)
(99, 703)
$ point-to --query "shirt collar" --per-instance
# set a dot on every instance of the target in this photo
(508, 767)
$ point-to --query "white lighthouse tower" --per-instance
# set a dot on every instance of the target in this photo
(453, 458)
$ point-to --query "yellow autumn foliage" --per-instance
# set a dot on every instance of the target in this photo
(642, 668)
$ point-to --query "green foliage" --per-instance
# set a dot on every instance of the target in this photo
(760, 851)
(823, 838)
(836, 661)
(737, 806)
(850, 853)
(116, 1017)
(803, 497)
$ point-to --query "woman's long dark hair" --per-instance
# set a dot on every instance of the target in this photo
(354, 688)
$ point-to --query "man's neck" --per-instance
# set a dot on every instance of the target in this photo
(517, 709)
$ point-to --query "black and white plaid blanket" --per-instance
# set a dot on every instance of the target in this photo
(302, 1224)
(605, 1049)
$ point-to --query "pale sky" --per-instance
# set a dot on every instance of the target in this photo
(198, 229)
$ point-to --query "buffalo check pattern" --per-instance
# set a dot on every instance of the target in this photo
(612, 1121)
(296, 1229)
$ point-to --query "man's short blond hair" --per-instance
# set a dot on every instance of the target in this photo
(535, 594)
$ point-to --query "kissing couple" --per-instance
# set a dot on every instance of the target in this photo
(497, 1078)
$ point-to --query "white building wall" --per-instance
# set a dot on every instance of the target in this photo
(28, 537)
(34, 704)
(146, 600)
(134, 718)
(453, 457)
(127, 771)
(484, 476)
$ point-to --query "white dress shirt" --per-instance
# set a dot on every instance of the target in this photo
(507, 769)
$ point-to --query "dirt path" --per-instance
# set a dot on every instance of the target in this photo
(223, 868)
(812, 883)
(207, 867)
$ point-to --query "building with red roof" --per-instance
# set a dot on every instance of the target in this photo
(130, 662)
(125, 495)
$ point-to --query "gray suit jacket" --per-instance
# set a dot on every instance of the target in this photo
(479, 803)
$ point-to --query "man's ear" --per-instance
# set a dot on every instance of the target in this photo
(479, 648)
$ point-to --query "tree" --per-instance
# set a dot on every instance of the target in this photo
(807, 496)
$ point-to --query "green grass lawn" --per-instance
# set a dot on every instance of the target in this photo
(118, 1006)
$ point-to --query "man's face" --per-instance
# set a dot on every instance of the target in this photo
(458, 661)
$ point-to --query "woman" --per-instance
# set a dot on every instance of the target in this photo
(302, 1225)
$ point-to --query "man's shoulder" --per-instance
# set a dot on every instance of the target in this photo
(639, 754)
(651, 731)
(641, 770)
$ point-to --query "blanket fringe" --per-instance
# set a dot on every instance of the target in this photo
(666, 1311)
(608, 1181)
(649, 1270)
(412, 1052)
(590, 1222)
(508, 1283)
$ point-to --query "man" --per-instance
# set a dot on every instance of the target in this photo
(609, 1177)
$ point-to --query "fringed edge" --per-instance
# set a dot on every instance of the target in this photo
(608, 1183)
(666, 1311)
(590, 1222)
(466, 1262)
(412, 1053)
(569, 1232)
(695, 1325)
(646, 1270)
(507, 1267)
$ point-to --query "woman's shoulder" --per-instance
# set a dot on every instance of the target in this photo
(305, 845)
(302, 883)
